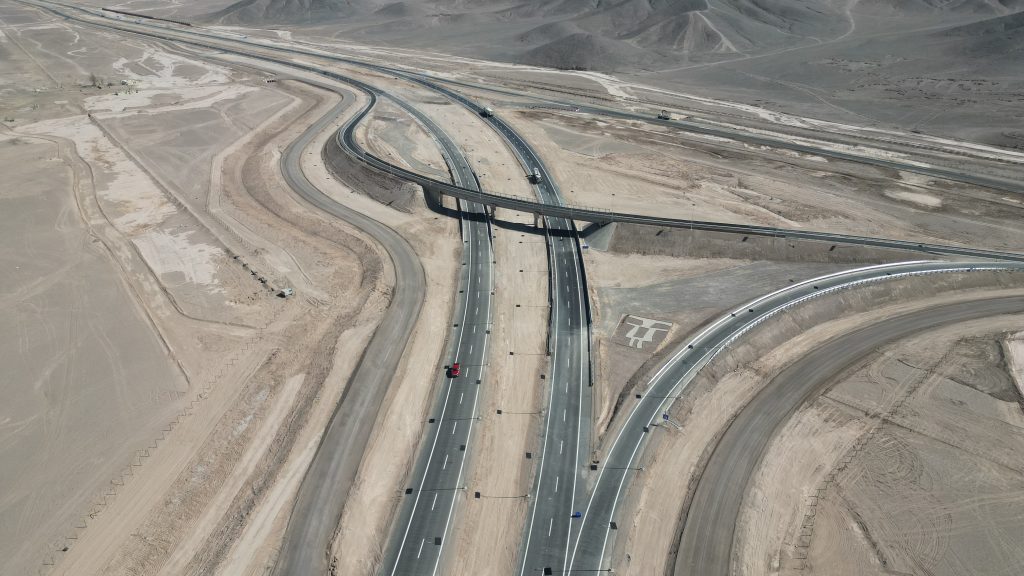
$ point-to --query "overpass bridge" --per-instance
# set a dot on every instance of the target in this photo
(345, 142)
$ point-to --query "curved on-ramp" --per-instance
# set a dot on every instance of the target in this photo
(327, 482)
(706, 544)
(672, 379)
(559, 210)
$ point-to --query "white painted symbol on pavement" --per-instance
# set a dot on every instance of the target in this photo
(650, 328)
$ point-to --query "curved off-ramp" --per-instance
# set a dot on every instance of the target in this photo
(596, 537)
(327, 482)
(705, 548)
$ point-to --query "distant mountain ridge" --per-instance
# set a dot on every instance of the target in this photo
(598, 34)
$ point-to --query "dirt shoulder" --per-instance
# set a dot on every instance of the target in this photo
(674, 456)
(629, 166)
(253, 375)
(895, 444)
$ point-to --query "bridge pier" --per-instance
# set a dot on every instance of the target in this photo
(433, 197)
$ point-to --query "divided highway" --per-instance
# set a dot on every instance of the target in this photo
(559, 481)
(558, 210)
(421, 526)
(554, 541)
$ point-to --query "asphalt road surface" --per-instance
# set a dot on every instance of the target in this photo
(706, 545)
(421, 526)
(596, 537)
(552, 500)
(325, 487)
(558, 484)
(571, 212)
(560, 480)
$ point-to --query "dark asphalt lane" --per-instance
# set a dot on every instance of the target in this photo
(421, 526)
(424, 517)
(568, 303)
(706, 545)
(328, 480)
(619, 466)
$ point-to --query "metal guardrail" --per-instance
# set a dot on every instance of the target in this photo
(586, 214)
(572, 212)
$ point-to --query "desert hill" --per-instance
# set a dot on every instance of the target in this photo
(950, 67)
(605, 35)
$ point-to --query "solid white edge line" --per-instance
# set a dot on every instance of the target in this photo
(437, 433)
(476, 398)
(547, 420)
(684, 348)
(579, 408)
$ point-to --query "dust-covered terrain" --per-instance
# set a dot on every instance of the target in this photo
(940, 67)
(181, 325)
(152, 366)
(913, 467)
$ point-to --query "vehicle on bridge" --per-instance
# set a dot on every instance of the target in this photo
(534, 177)
(664, 115)
(487, 112)
(454, 370)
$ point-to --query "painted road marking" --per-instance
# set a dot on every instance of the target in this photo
(418, 554)
(561, 443)
(556, 485)
(563, 414)
(445, 465)
(460, 397)
(551, 525)
(434, 503)
(454, 426)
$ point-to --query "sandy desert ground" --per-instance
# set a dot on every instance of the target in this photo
(619, 166)
(812, 445)
(142, 305)
(164, 402)
(913, 467)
